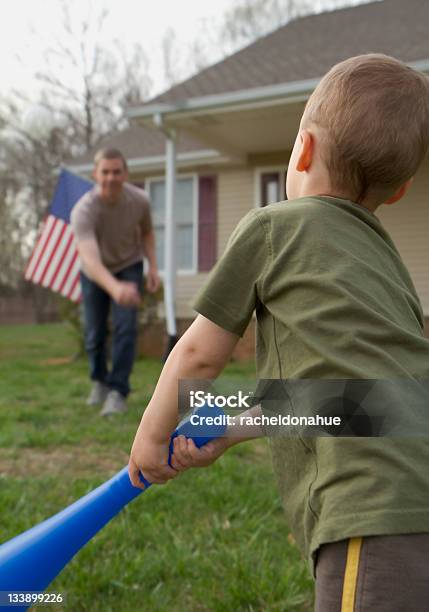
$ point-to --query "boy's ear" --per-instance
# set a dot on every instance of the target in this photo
(400, 192)
(305, 156)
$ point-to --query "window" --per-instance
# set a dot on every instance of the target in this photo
(185, 204)
(270, 186)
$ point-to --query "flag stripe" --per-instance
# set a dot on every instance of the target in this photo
(62, 276)
(63, 263)
(54, 262)
(77, 292)
(65, 281)
(53, 235)
(74, 271)
(42, 255)
(53, 246)
(58, 256)
(38, 250)
(75, 283)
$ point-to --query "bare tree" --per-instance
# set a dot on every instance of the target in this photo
(32, 145)
(171, 56)
(245, 22)
(248, 20)
(11, 253)
(84, 87)
(88, 83)
(251, 19)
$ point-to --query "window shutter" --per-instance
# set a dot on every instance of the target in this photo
(207, 222)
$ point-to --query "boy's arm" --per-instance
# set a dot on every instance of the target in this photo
(187, 454)
(201, 353)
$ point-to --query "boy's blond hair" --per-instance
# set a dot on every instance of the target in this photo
(374, 115)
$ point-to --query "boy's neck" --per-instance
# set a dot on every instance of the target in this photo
(370, 207)
(323, 188)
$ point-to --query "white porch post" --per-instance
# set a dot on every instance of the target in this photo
(170, 240)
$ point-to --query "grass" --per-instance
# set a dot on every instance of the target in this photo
(213, 539)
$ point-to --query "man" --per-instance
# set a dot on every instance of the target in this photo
(113, 228)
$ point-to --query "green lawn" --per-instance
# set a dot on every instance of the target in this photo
(213, 539)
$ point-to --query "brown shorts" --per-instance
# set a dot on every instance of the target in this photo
(374, 574)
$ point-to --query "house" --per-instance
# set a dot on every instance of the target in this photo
(229, 131)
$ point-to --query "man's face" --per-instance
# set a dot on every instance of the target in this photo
(110, 175)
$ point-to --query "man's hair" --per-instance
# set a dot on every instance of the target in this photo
(109, 153)
(374, 115)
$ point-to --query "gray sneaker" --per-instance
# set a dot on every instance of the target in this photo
(98, 394)
(115, 403)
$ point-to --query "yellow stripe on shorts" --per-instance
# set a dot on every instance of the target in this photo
(351, 574)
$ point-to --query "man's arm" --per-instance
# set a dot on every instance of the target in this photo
(124, 293)
(152, 280)
(201, 353)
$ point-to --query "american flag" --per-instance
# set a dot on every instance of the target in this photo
(54, 262)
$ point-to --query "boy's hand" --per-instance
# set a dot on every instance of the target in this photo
(187, 455)
(151, 459)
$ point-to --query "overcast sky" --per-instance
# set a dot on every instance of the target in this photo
(27, 26)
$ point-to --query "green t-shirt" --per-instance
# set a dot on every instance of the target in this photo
(333, 300)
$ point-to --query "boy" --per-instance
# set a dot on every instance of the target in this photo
(333, 300)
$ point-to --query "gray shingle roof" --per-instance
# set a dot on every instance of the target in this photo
(303, 49)
(307, 47)
(138, 142)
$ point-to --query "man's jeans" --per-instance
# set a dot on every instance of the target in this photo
(96, 303)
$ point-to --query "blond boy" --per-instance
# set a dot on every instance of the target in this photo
(333, 300)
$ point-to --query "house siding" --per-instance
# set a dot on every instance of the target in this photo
(407, 221)
(187, 288)
(235, 199)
